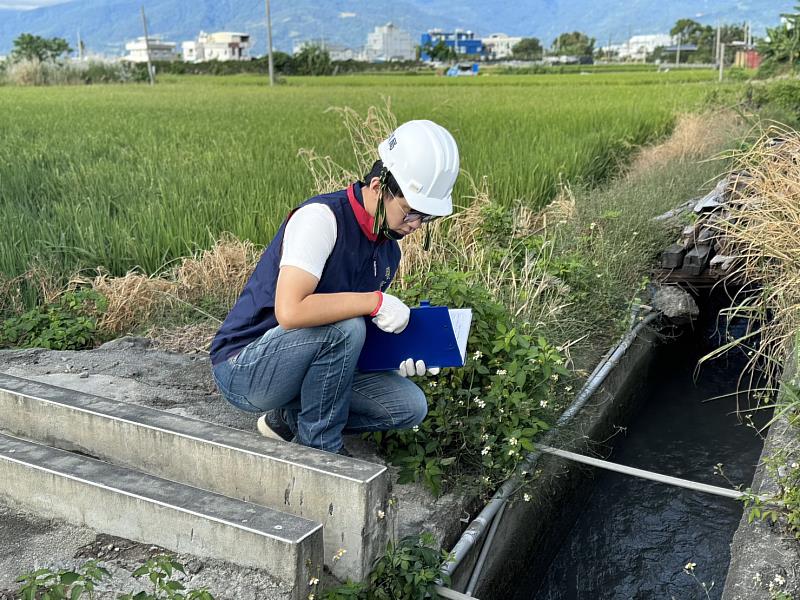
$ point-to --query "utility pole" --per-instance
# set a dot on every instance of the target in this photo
(147, 49)
(80, 46)
(721, 60)
(269, 47)
(716, 44)
(678, 53)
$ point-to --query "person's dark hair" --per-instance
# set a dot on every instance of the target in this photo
(389, 182)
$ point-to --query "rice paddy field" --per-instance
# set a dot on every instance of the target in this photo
(127, 175)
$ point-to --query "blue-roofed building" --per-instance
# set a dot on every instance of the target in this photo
(463, 42)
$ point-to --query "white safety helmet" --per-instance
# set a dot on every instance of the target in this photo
(423, 158)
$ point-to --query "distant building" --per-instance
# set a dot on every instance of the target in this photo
(338, 52)
(222, 45)
(387, 43)
(463, 42)
(335, 51)
(639, 46)
(499, 45)
(159, 50)
(747, 59)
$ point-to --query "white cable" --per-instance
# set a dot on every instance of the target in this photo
(604, 464)
(448, 593)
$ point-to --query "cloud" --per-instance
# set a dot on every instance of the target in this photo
(346, 15)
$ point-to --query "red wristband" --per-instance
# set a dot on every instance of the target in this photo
(380, 302)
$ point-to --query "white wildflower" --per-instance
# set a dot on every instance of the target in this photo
(543, 403)
(415, 428)
(478, 355)
(527, 497)
(513, 441)
(689, 567)
(313, 581)
(480, 403)
(381, 514)
(486, 450)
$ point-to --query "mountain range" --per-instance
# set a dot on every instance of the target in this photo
(105, 25)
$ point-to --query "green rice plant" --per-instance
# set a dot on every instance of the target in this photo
(129, 176)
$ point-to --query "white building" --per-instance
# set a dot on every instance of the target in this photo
(338, 52)
(335, 51)
(222, 45)
(387, 43)
(499, 45)
(639, 46)
(159, 50)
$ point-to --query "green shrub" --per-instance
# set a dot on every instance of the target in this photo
(45, 584)
(69, 323)
(160, 571)
(408, 570)
(56, 585)
(482, 418)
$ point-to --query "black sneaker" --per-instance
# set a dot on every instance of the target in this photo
(344, 452)
(273, 425)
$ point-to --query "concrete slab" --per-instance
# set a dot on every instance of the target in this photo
(89, 492)
(346, 495)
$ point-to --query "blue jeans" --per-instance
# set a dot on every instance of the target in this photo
(311, 372)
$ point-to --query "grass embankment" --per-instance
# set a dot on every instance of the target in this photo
(124, 176)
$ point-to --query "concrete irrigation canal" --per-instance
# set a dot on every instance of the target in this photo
(633, 537)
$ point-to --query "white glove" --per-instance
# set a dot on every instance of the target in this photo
(409, 368)
(392, 315)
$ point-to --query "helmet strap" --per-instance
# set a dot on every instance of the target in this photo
(426, 245)
(379, 224)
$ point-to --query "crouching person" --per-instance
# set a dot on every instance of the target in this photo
(289, 348)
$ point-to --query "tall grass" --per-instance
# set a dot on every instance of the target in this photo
(131, 176)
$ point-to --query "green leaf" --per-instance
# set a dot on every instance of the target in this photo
(69, 577)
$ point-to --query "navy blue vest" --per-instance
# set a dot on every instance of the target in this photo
(356, 264)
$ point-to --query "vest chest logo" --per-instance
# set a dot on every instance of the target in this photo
(386, 278)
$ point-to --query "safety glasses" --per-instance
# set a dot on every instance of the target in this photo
(414, 215)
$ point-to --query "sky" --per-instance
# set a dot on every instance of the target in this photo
(27, 4)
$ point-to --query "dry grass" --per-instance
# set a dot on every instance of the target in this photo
(10, 295)
(763, 233)
(695, 137)
(219, 273)
(365, 134)
(215, 276)
(186, 339)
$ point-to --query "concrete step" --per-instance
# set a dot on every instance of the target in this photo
(346, 495)
(86, 491)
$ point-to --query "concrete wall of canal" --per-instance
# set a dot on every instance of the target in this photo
(530, 533)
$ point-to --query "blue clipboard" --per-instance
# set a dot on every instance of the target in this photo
(429, 336)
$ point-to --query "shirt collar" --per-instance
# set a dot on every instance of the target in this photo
(365, 220)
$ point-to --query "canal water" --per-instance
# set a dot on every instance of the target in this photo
(634, 537)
